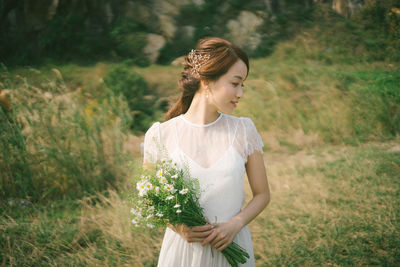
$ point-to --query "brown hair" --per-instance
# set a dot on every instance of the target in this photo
(222, 55)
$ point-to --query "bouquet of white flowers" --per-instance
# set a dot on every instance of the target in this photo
(171, 196)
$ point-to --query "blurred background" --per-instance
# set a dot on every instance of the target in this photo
(81, 82)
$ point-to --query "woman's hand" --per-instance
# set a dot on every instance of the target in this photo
(223, 234)
(194, 233)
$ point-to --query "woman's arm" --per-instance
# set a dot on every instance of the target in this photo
(224, 233)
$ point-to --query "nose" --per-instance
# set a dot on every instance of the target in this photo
(239, 93)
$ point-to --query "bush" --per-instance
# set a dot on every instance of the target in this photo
(129, 40)
(55, 145)
(134, 89)
(66, 37)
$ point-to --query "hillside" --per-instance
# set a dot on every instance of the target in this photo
(325, 98)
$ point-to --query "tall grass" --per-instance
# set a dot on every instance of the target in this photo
(58, 143)
(334, 206)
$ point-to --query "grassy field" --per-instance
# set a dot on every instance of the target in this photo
(331, 206)
(328, 110)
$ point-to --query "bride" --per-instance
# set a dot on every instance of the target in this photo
(218, 148)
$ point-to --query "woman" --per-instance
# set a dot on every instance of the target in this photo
(218, 148)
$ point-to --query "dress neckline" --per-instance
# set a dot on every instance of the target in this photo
(200, 125)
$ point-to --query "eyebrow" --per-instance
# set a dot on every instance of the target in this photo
(237, 76)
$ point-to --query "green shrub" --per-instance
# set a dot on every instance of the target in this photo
(143, 106)
(129, 39)
(55, 145)
(67, 37)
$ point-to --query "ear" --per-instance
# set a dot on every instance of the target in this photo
(204, 83)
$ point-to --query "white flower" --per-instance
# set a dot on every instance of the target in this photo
(157, 189)
(160, 173)
(149, 216)
(150, 226)
(183, 191)
(148, 186)
(169, 187)
(163, 180)
(178, 211)
(169, 197)
(174, 176)
(151, 209)
(160, 214)
(134, 222)
(177, 206)
(140, 186)
(136, 211)
(142, 193)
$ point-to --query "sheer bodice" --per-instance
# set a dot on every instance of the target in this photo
(204, 144)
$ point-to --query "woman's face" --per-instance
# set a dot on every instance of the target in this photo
(225, 92)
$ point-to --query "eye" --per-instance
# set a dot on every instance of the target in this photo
(235, 84)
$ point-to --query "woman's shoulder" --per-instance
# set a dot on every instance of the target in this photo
(160, 126)
(245, 121)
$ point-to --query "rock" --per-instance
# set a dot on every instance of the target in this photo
(198, 2)
(347, 8)
(4, 100)
(141, 13)
(243, 30)
(154, 44)
(167, 26)
(188, 31)
(178, 61)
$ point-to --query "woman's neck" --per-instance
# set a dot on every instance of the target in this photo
(200, 111)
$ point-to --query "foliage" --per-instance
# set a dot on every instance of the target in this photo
(65, 38)
(129, 40)
(166, 195)
(54, 145)
(333, 204)
(134, 89)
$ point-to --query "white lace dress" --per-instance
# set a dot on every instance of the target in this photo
(216, 154)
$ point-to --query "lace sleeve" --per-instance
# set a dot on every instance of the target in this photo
(252, 138)
(151, 144)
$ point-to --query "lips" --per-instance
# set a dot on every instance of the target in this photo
(234, 103)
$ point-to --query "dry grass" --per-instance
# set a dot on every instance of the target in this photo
(331, 205)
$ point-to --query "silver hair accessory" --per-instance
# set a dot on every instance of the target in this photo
(197, 60)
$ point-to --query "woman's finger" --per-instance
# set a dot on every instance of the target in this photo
(224, 246)
(194, 239)
(217, 243)
(201, 228)
(199, 234)
(209, 238)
